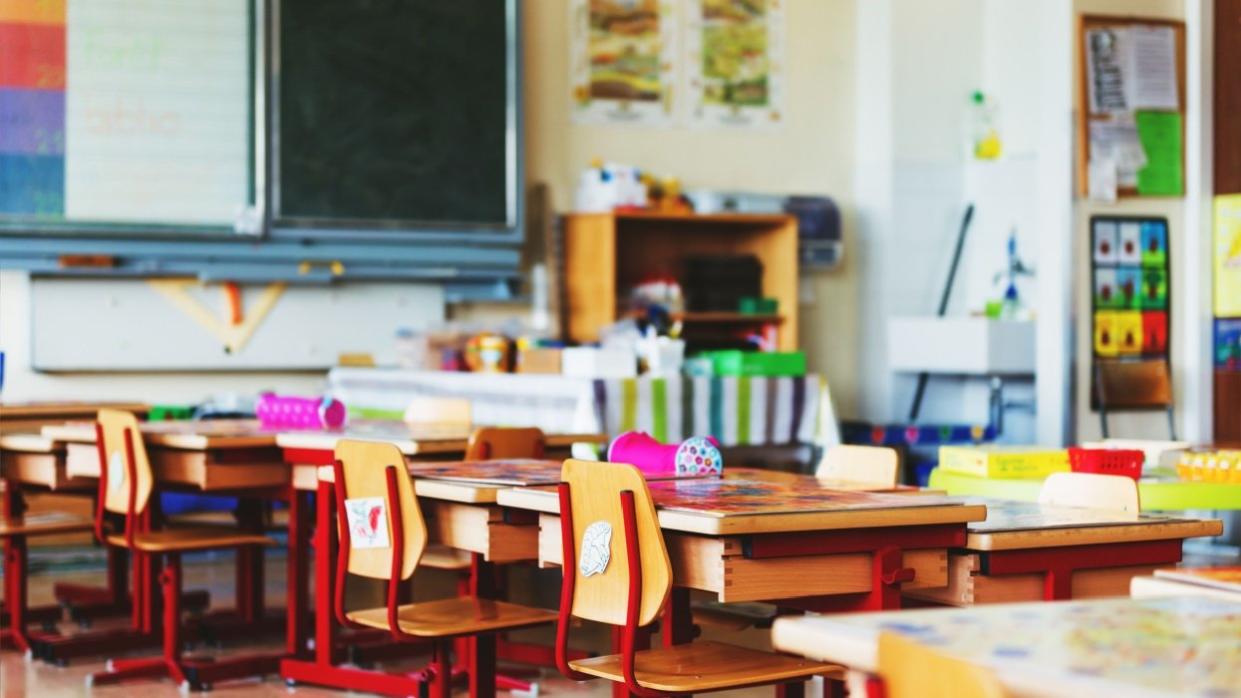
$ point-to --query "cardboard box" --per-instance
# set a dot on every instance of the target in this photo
(541, 360)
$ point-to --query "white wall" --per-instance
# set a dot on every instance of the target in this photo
(917, 67)
(1188, 246)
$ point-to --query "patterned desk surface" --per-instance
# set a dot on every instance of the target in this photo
(1137, 648)
(1011, 525)
(749, 501)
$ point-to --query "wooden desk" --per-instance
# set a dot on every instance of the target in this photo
(34, 459)
(747, 537)
(305, 450)
(30, 416)
(1027, 552)
(1221, 582)
(1137, 648)
(236, 457)
(210, 455)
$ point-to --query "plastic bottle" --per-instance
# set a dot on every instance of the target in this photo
(985, 134)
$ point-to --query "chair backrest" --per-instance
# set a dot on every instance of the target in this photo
(116, 452)
(871, 465)
(601, 575)
(368, 510)
(912, 670)
(1091, 490)
(499, 442)
(1134, 384)
(438, 412)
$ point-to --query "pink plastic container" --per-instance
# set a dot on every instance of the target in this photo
(697, 455)
(292, 412)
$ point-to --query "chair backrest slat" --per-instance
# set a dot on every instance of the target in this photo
(1091, 490)
(601, 575)
(871, 465)
(363, 465)
(116, 467)
(503, 442)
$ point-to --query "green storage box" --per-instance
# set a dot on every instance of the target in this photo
(734, 362)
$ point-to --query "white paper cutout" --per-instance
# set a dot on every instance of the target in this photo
(116, 472)
(368, 522)
(596, 548)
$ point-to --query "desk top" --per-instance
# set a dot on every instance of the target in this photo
(744, 501)
(63, 410)
(1173, 646)
(411, 440)
(247, 433)
(1012, 525)
(1157, 494)
(190, 435)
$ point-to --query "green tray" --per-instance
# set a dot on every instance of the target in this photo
(1156, 495)
(734, 362)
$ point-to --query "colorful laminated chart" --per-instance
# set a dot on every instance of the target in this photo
(1129, 281)
(1228, 256)
(125, 111)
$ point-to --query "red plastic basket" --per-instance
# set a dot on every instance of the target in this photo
(1107, 461)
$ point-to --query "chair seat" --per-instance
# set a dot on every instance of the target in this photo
(705, 666)
(44, 524)
(464, 615)
(172, 540)
(442, 557)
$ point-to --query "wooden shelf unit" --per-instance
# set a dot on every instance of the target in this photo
(606, 254)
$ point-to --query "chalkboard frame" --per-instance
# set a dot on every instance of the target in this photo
(350, 230)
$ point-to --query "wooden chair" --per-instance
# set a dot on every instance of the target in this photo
(439, 412)
(1091, 490)
(372, 476)
(623, 577)
(869, 465)
(14, 530)
(908, 669)
(1134, 385)
(125, 484)
(504, 442)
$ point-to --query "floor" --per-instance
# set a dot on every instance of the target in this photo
(19, 677)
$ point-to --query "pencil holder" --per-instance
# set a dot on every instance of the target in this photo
(294, 412)
(697, 455)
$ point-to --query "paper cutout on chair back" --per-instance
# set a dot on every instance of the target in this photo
(368, 522)
(596, 549)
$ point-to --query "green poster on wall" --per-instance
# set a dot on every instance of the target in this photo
(1160, 134)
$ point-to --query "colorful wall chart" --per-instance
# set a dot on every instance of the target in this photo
(1228, 256)
(125, 112)
(622, 60)
(1129, 280)
(32, 108)
(734, 61)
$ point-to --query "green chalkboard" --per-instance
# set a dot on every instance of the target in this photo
(395, 114)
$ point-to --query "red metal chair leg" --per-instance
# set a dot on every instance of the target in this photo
(15, 593)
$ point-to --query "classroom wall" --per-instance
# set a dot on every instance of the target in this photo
(1184, 365)
(918, 64)
(813, 152)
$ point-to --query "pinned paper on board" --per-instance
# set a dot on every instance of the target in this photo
(734, 62)
(1228, 256)
(622, 61)
(368, 523)
(1131, 68)
(1163, 174)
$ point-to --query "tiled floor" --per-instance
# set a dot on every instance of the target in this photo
(19, 677)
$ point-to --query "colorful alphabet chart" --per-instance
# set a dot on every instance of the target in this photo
(125, 112)
(1130, 287)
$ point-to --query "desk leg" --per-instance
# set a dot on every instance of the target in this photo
(298, 584)
(325, 555)
(249, 570)
(678, 618)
